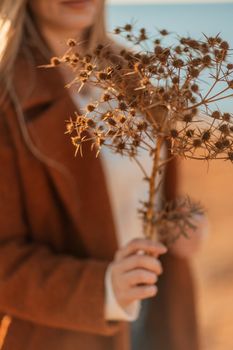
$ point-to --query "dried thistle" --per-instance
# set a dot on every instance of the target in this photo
(152, 97)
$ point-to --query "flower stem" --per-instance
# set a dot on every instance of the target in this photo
(149, 229)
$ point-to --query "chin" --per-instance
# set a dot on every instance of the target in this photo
(80, 16)
(78, 22)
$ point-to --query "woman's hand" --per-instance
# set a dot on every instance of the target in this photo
(187, 247)
(134, 273)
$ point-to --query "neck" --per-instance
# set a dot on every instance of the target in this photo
(57, 39)
(57, 43)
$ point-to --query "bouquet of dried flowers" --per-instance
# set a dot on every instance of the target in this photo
(152, 96)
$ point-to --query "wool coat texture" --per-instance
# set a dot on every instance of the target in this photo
(57, 233)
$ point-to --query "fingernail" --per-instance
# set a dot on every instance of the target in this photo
(141, 252)
(164, 248)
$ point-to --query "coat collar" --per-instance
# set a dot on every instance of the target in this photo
(36, 85)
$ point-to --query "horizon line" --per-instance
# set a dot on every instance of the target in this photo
(167, 2)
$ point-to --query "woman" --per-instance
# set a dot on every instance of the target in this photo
(63, 279)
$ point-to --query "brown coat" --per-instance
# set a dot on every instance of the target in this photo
(57, 235)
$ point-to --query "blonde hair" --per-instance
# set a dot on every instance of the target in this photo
(12, 17)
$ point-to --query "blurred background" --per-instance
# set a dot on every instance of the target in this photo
(211, 184)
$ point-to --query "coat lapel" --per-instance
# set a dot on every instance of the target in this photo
(79, 181)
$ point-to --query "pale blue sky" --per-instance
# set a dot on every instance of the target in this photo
(188, 20)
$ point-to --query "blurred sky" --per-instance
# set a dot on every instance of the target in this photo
(167, 1)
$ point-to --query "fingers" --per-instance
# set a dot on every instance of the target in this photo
(133, 274)
(140, 276)
(141, 262)
(140, 244)
(142, 292)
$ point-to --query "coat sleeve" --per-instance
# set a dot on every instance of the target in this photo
(37, 284)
